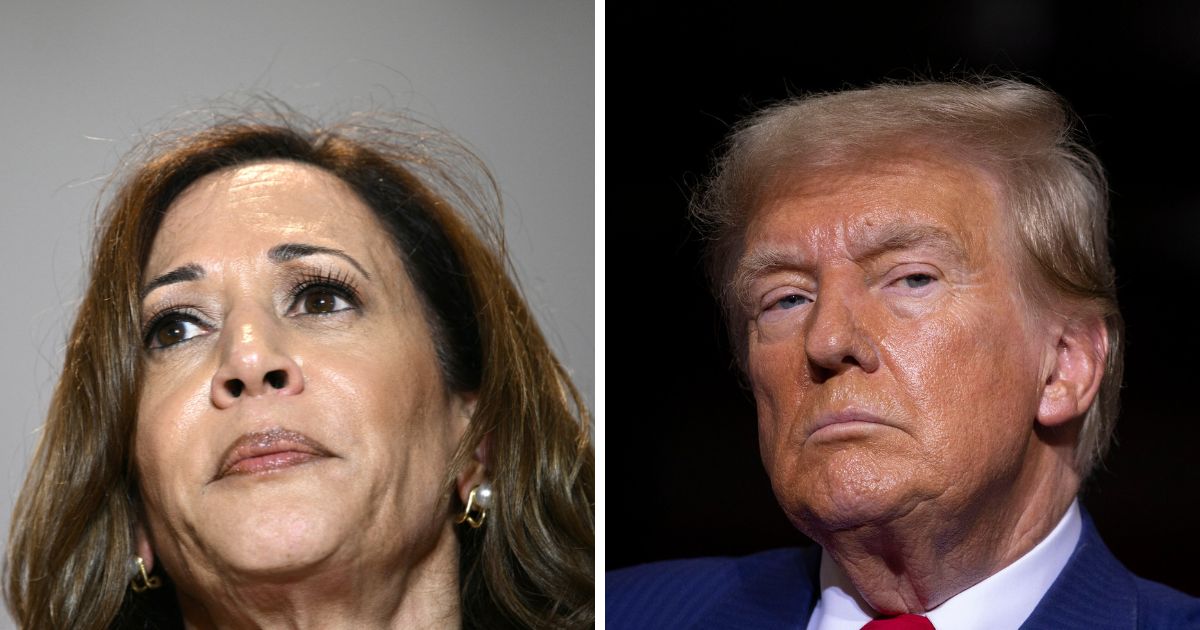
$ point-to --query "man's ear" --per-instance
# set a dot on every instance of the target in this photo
(142, 546)
(1076, 370)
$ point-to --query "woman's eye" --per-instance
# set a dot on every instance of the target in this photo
(173, 330)
(322, 301)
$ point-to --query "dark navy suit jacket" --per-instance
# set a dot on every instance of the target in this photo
(778, 589)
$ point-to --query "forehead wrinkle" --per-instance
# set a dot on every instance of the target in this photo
(870, 242)
(256, 175)
(259, 181)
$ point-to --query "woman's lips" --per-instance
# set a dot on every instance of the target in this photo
(266, 451)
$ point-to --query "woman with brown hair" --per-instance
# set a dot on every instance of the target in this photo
(302, 390)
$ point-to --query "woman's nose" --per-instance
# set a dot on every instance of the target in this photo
(253, 364)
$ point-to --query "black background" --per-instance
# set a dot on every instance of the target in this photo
(683, 474)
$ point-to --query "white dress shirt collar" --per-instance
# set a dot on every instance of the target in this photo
(1008, 597)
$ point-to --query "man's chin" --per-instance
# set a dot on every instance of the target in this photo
(822, 518)
(840, 499)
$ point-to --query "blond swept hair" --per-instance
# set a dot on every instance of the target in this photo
(1051, 187)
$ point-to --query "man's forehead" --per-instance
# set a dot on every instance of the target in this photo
(889, 205)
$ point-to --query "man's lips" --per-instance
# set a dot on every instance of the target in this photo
(265, 451)
(844, 417)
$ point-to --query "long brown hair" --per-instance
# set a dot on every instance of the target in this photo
(531, 565)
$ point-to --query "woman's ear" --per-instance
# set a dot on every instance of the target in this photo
(1077, 368)
(478, 471)
(142, 546)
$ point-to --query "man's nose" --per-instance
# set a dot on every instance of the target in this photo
(254, 362)
(836, 339)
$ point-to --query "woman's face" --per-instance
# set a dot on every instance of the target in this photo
(293, 418)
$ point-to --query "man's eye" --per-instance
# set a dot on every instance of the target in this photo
(791, 301)
(917, 280)
(171, 330)
(322, 301)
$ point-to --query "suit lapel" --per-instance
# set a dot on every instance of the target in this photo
(1093, 590)
(780, 594)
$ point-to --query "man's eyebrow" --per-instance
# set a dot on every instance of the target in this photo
(763, 261)
(758, 263)
(185, 273)
(887, 238)
(904, 236)
(292, 251)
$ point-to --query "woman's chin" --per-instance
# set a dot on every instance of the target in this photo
(278, 543)
(280, 527)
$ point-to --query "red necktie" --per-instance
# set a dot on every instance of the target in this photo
(902, 622)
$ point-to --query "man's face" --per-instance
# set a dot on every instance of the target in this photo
(895, 365)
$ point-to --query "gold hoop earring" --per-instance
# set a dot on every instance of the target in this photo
(477, 504)
(148, 582)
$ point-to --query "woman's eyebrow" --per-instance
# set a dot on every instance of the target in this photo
(278, 254)
(292, 251)
(186, 273)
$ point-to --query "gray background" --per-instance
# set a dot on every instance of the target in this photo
(80, 82)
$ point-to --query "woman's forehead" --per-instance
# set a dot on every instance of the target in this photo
(247, 210)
